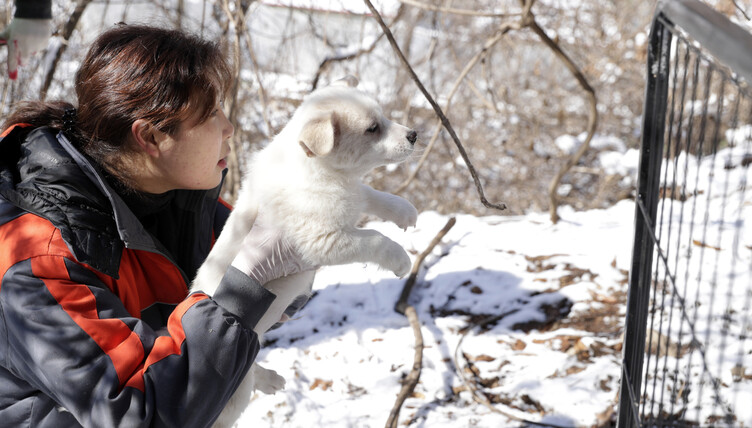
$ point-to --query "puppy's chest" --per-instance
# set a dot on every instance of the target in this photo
(324, 208)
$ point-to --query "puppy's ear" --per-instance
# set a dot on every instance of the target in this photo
(348, 80)
(317, 136)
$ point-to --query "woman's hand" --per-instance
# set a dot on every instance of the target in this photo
(266, 255)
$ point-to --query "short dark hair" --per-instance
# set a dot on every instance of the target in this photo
(135, 72)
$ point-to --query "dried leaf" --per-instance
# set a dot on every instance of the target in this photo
(704, 245)
(574, 370)
(323, 384)
(484, 358)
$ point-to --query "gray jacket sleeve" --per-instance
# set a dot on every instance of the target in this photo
(34, 9)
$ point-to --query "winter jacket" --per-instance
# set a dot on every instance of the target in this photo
(97, 327)
(39, 9)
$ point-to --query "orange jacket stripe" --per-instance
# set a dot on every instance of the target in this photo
(116, 339)
(12, 127)
(165, 346)
(29, 233)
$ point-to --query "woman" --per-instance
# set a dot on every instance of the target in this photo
(106, 212)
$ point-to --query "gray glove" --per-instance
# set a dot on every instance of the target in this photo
(266, 254)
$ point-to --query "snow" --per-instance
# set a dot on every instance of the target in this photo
(558, 292)
(347, 350)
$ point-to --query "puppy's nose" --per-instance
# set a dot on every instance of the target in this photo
(412, 137)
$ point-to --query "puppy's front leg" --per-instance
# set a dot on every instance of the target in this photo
(389, 207)
(369, 246)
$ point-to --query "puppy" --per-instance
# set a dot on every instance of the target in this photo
(307, 183)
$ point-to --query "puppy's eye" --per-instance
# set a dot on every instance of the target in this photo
(374, 128)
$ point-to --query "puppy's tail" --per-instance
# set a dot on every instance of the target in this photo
(238, 225)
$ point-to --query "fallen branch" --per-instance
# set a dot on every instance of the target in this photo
(470, 386)
(437, 109)
(408, 386)
(401, 305)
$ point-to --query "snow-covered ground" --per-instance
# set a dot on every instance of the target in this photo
(559, 293)
(345, 355)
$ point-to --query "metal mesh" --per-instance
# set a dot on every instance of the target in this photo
(688, 357)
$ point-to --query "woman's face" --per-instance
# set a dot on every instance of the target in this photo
(196, 156)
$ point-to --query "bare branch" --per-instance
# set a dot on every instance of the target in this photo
(410, 283)
(68, 29)
(353, 55)
(413, 377)
(402, 307)
(741, 10)
(232, 182)
(437, 109)
(256, 71)
(344, 57)
(592, 117)
(505, 27)
(261, 91)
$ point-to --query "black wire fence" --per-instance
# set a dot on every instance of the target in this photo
(687, 348)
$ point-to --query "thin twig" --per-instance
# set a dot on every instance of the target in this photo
(470, 386)
(437, 109)
(343, 57)
(740, 9)
(470, 65)
(256, 71)
(232, 182)
(410, 283)
(353, 55)
(408, 386)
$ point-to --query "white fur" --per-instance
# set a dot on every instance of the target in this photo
(307, 183)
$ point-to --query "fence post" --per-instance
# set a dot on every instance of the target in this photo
(653, 129)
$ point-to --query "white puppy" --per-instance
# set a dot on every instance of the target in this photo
(307, 184)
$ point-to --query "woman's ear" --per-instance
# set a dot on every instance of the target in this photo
(148, 138)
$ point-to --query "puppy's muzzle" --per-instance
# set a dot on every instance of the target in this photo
(412, 137)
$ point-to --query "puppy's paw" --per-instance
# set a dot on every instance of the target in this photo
(266, 380)
(404, 214)
(400, 263)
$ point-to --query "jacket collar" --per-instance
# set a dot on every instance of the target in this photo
(55, 181)
(129, 229)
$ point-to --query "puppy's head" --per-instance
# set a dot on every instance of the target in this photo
(345, 129)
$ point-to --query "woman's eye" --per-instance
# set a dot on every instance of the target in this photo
(221, 106)
(373, 128)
